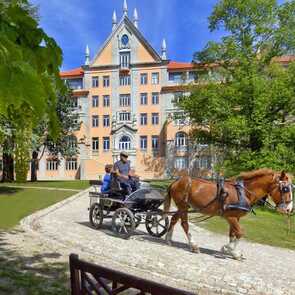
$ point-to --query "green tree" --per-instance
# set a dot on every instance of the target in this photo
(62, 146)
(29, 79)
(246, 106)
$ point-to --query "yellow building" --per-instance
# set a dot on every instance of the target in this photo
(126, 99)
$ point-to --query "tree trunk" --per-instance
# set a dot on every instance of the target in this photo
(34, 166)
(8, 168)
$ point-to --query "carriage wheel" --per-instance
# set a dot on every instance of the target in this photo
(123, 223)
(157, 224)
(137, 219)
(96, 215)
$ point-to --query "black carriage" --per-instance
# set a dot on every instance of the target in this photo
(127, 213)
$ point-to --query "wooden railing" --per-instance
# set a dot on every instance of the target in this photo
(88, 278)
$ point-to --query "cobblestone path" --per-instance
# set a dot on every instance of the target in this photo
(65, 229)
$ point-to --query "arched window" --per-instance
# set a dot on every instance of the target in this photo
(125, 143)
(181, 139)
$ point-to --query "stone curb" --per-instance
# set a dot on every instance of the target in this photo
(29, 223)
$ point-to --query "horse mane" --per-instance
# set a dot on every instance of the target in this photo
(256, 173)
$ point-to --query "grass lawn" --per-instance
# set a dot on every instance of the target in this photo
(16, 203)
(267, 227)
(70, 184)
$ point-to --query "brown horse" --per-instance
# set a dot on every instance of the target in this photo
(202, 195)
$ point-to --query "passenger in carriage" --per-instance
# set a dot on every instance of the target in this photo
(106, 182)
(127, 178)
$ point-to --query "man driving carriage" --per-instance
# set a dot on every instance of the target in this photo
(126, 176)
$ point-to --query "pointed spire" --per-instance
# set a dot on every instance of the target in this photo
(87, 56)
(114, 20)
(164, 50)
(125, 8)
(135, 18)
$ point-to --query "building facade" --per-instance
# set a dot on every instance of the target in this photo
(126, 97)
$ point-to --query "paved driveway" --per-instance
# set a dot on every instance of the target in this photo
(267, 270)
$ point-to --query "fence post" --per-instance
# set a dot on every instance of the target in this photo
(75, 275)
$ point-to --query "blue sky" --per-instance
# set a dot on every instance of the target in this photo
(75, 23)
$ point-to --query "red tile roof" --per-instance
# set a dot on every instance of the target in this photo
(284, 58)
(78, 72)
(174, 65)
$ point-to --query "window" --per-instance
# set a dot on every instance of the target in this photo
(125, 80)
(124, 100)
(155, 118)
(106, 121)
(143, 142)
(106, 100)
(71, 164)
(95, 82)
(106, 143)
(95, 122)
(180, 139)
(125, 60)
(51, 165)
(124, 116)
(125, 143)
(95, 101)
(155, 142)
(74, 102)
(75, 83)
(192, 76)
(106, 81)
(155, 78)
(155, 98)
(72, 141)
(177, 98)
(181, 163)
(143, 99)
(143, 79)
(143, 119)
(176, 77)
(95, 143)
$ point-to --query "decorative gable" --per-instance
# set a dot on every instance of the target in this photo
(125, 39)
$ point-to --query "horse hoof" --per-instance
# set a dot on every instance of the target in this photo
(237, 256)
(195, 249)
(169, 243)
(225, 250)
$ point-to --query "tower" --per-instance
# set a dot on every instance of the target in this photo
(135, 18)
(114, 20)
(87, 56)
(125, 8)
(164, 50)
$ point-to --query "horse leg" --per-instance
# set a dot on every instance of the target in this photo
(184, 223)
(173, 221)
(235, 236)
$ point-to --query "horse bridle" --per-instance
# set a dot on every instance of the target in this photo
(284, 187)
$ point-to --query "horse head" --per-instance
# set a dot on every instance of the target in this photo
(281, 192)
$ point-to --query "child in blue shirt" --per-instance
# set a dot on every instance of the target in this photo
(106, 182)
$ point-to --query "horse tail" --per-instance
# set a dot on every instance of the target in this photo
(167, 202)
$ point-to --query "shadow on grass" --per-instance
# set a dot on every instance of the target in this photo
(5, 190)
(36, 274)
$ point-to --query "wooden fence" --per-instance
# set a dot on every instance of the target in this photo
(88, 278)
